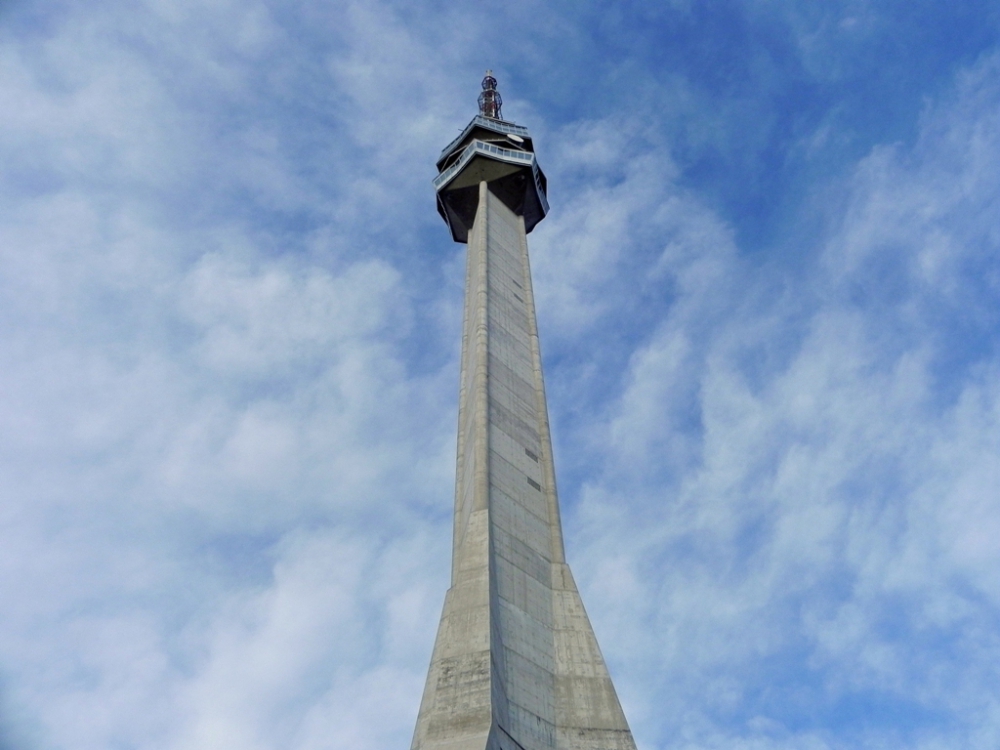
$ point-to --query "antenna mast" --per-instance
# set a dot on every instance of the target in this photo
(490, 101)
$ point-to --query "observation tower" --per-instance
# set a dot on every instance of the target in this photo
(515, 665)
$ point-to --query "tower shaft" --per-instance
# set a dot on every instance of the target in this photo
(516, 665)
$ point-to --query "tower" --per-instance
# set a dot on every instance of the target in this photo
(516, 665)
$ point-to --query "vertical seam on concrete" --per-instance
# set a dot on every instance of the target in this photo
(468, 311)
(483, 356)
(498, 703)
(548, 465)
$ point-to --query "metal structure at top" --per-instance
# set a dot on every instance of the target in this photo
(490, 100)
(492, 150)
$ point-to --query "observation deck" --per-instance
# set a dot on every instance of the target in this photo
(500, 153)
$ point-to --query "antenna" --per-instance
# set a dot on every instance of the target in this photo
(490, 101)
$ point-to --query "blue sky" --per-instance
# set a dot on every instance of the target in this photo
(229, 325)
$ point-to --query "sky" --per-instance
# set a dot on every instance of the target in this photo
(769, 304)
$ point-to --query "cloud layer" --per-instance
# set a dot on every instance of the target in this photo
(229, 321)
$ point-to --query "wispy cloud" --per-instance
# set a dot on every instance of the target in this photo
(229, 323)
(822, 549)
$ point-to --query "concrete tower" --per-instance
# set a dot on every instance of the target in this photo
(515, 664)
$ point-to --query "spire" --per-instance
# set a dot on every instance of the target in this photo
(490, 101)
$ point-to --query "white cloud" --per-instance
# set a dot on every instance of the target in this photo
(201, 422)
(226, 469)
(835, 505)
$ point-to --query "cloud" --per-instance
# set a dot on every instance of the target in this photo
(204, 412)
(229, 322)
(810, 544)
